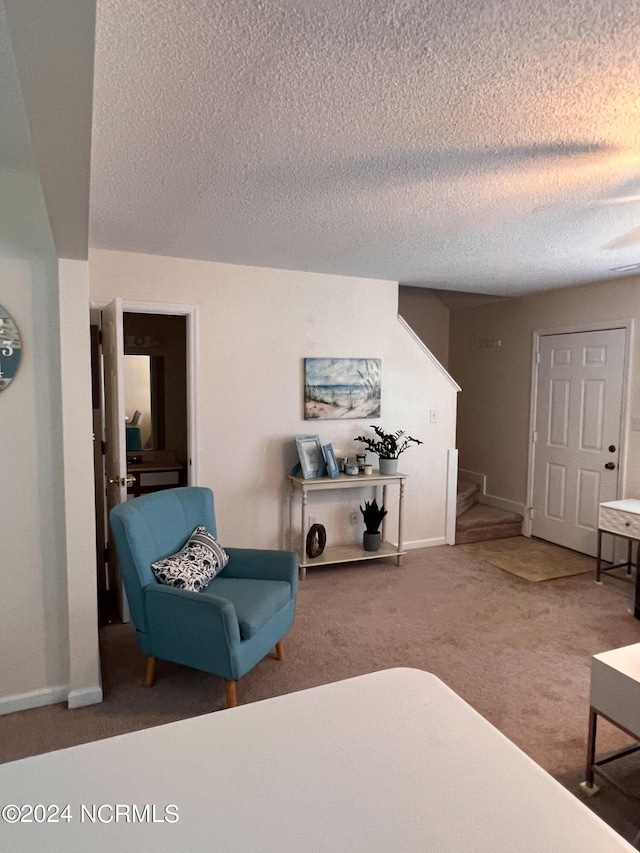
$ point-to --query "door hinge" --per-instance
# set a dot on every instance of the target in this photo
(106, 554)
(534, 437)
(103, 447)
(537, 358)
(100, 336)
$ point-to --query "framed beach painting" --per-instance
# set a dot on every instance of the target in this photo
(341, 388)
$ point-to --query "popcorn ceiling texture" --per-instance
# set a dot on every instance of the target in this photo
(461, 145)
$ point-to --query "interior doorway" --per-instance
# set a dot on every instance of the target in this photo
(577, 433)
(143, 417)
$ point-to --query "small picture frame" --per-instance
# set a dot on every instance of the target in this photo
(311, 459)
(330, 459)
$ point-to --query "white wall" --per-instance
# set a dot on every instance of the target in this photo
(254, 328)
(45, 517)
(80, 540)
(493, 419)
(33, 604)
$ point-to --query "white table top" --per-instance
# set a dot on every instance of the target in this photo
(392, 761)
(625, 660)
(625, 505)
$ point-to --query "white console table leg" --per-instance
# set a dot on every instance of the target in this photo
(400, 516)
(303, 569)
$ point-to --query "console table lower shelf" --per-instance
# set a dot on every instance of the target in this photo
(350, 554)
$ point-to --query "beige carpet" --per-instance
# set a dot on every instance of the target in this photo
(519, 653)
(531, 559)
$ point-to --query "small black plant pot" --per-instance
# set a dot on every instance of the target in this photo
(371, 541)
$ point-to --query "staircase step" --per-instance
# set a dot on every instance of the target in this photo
(482, 523)
(468, 492)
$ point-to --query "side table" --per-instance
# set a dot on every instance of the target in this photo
(614, 695)
(619, 518)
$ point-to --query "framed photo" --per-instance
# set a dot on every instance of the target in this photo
(310, 453)
(330, 459)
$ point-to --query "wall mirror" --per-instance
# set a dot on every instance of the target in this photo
(155, 384)
(144, 402)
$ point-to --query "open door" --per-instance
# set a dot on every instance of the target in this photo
(115, 437)
(138, 329)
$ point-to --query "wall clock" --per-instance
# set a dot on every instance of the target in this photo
(10, 348)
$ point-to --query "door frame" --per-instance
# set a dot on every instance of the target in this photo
(628, 327)
(190, 312)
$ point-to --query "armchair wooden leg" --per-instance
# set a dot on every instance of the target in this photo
(280, 650)
(151, 672)
(230, 689)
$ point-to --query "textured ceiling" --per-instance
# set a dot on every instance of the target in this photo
(463, 144)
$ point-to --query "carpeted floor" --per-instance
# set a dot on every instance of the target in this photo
(518, 652)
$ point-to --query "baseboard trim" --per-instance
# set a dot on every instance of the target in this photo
(502, 503)
(474, 477)
(34, 699)
(85, 696)
(424, 543)
(491, 500)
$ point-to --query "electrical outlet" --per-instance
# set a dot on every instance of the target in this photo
(353, 517)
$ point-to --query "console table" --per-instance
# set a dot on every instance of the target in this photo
(152, 470)
(344, 553)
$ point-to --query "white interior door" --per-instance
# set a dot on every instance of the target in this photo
(115, 434)
(577, 434)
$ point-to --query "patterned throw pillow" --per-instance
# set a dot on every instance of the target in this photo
(199, 560)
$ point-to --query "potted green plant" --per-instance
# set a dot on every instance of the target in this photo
(373, 515)
(387, 446)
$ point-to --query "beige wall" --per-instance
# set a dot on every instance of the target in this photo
(47, 544)
(33, 605)
(428, 317)
(80, 528)
(493, 415)
(254, 329)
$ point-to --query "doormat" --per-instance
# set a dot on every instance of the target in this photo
(531, 559)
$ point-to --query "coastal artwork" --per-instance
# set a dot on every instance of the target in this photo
(341, 388)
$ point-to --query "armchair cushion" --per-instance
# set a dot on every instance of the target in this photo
(199, 560)
(256, 602)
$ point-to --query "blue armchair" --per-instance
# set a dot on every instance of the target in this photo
(227, 627)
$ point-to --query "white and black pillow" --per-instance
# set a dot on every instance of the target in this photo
(199, 560)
